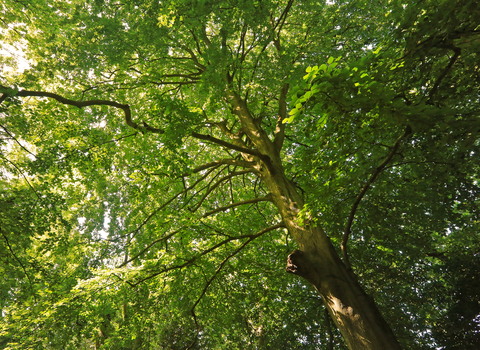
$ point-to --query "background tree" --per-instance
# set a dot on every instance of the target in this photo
(197, 115)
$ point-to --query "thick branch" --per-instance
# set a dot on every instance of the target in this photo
(249, 125)
(283, 16)
(194, 57)
(279, 25)
(178, 83)
(81, 104)
(234, 162)
(235, 137)
(365, 187)
(265, 148)
(264, 158)
(282, 114)
(216, 163)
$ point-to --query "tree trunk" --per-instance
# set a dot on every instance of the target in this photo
(352, 310)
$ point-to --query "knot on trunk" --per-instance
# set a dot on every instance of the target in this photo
(295, 261)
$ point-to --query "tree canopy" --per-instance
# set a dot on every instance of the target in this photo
(162, 162)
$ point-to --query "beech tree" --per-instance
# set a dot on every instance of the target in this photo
(176, 154)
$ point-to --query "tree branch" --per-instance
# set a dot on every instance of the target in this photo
(283, 16)
(212, 166)
(205, 252)
(365, 187)
(18, 142)
(265, 149)
(201, 189)
(329, 330)
(3, 98)
(216, 163)
(151, 245)
(267, 198)
(443, 75)
(227, 144)
(218, 183)
(234, 162)
(235, 252)
(20, 263)
(171, 200)
(23, 175)
(235, 137)
(109, 141)
(81, 104)
(282, 114)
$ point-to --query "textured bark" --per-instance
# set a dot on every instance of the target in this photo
(352, 310)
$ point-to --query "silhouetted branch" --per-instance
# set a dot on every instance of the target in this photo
(81, 104)
(205, 252)
(13, 137)
(365, 187)
(23, 175)
(443, 74)
(19, 262)
(235, 252)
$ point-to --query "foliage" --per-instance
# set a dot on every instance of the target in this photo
(123, 233)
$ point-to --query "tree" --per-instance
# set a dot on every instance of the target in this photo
(165, 124)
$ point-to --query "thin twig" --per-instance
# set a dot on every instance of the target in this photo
(163, 238)
(267, 198)
(217, 184)
(205, 252)
(13, 137)
(23, 175)
(170, 201)
(109, 141)
(21, 264)
(222, 264)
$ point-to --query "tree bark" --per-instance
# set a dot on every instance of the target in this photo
(352, 310)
